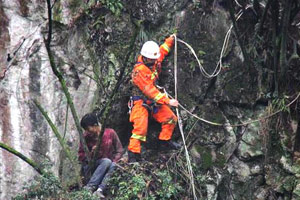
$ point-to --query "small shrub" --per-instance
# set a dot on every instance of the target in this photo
(48, 186)
(42, 187)
(280, 104)
(115, 6)
(144, 182)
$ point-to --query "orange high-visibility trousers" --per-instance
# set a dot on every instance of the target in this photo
(139, 117)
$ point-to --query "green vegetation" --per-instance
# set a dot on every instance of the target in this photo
(42, 187)
(74, 5)
(49, 186)
(57, 12)
(206, 157)
(281, 104)
(139, 182)
(115, 6)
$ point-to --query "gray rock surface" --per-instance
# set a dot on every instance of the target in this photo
(234, 159)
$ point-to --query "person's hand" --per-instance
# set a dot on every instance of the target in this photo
(93, 150)
(173, 102)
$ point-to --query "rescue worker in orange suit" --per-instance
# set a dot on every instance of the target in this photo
(148, 99)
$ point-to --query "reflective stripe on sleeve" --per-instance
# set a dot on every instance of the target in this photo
(139, 137)
(166, 47)
(158, 96)
(171, 121)
(153, 75)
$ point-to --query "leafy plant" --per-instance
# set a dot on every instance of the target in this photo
(115, 6)
(129, 187)
(197, 4)
(168, 187)
(280, 104)
(48, 186)
(138, 182)
(42, 187)
(79, 195)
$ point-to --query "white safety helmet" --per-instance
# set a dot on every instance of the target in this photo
(150, 50)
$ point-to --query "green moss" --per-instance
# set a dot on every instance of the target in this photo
(185, 100)
(296, 169)
(296, 192)
(289, 183)
(75, 5)
(57, 12)
(207, 160)
(220, 161)
(115, 6)
(206, 157)
(98, 22)
(215, 116)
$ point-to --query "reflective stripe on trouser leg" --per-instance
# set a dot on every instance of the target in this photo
(139, 117)
(167, 129)
(168, 119)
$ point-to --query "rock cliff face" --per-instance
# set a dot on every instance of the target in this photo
(90, 43)
(28, 76)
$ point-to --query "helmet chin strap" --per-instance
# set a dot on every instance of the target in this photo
(149, 63)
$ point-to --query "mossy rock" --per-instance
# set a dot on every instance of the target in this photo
(289, 183)
(208, 157)
(296, 191)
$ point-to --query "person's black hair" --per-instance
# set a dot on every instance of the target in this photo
(89, 119)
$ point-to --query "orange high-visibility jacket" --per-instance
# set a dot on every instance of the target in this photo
(144, 78)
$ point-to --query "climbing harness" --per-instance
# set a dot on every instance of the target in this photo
(150, 105)
(130, 105)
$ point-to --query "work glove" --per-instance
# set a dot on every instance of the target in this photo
(173, 102)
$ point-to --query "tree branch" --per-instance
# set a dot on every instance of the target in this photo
(231, 11)
(62, 142)
(50, 22)
(55, 131)
(283, 50)
(263, 19)
(275, 17)
(39, 169)
(104, 112)
(59, 75)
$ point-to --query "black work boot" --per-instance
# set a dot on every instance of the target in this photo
(168, 145)
(134, 157)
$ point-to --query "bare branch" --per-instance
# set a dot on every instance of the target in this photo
(231, 11)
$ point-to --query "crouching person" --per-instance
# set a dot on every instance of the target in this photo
(109, 153)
